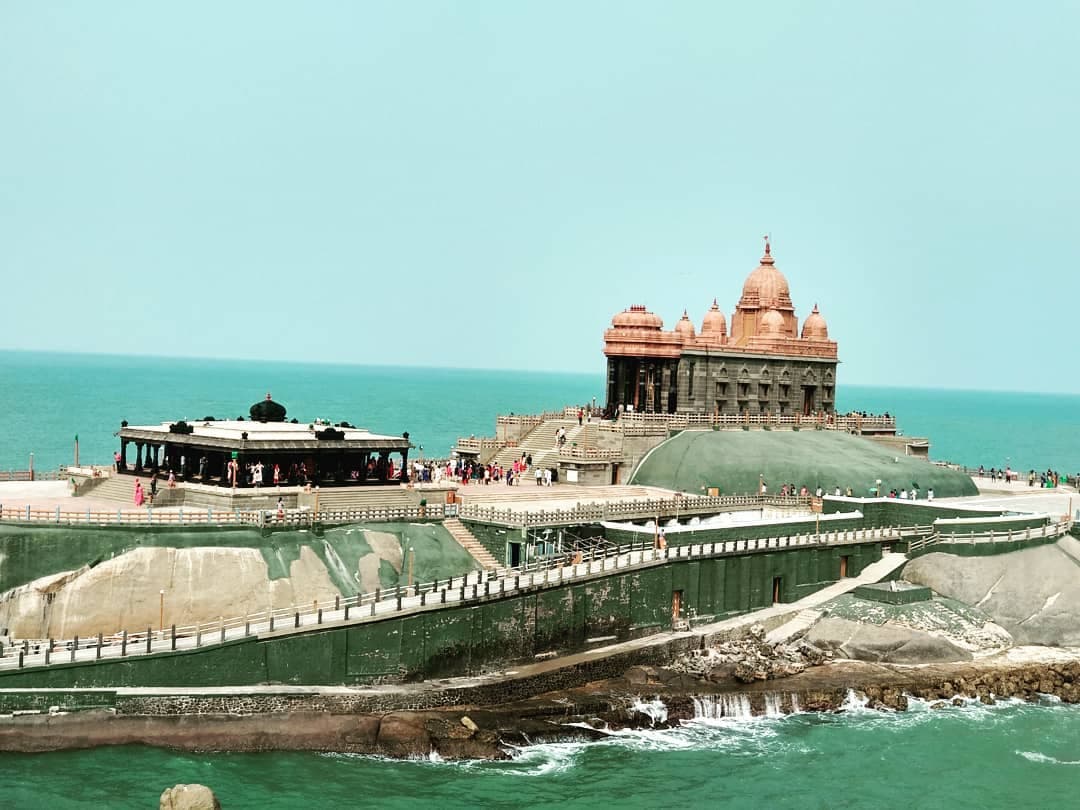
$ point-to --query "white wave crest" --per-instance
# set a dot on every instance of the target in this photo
(1035, 756)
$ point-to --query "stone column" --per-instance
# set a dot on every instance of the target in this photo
(122, 466)
(138, 456)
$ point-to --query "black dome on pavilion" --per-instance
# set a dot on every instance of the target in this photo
(267, 411)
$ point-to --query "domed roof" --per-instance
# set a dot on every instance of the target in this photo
(814, 326)
(772, 323)
(637, 317)
(267, 410)
(766, 286)
(684, 327)
(714, 322)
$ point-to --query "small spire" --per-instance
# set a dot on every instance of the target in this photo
(685, 316)
(715, 305)
(767, 249)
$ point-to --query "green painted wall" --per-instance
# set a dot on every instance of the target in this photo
(468, 639)
(896, 512)
(725, 533)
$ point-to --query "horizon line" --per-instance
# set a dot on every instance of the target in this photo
(496, 369)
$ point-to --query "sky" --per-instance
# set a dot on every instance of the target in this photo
(485, 184)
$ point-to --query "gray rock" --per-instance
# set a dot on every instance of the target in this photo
(189, 797)
(1034, 594)
(883, 643)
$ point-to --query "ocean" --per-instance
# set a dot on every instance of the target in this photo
(48, 399)
(1010, 755)
(1007, 755)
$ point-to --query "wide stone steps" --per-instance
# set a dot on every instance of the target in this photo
(359, 499)
(460, 532)
(540, 442)
(121, 489)
(497, 496)
(803, 621)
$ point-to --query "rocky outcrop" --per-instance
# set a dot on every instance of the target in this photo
(1034, 593)
(750, 659)
(200, 584)
(189, 797)
(888, 643)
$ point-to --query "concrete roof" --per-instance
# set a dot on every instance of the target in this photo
(228, 433)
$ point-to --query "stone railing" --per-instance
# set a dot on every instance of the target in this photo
(33, 475)
(1049, 531)
(472, 588)
(263, 518)
(826, 421)
(589, 454)
(587, 513)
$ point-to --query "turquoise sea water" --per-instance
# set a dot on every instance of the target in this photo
(46, 399)
(975, 757)
(1014, 755)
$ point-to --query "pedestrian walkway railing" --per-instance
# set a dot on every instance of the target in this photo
(1051, 530)
(638, 509)
(471, 588)
(183, 516)
(33, 475)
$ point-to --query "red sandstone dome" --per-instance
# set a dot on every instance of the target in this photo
(684, 326)
(766, 286)
(637, 317)
(714, 323)
(814, 327)
(772, 323)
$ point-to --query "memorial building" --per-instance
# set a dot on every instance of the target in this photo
(224, 452)
(764, 365)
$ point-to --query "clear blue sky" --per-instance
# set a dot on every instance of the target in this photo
(484, 184)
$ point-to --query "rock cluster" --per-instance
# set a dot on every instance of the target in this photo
(751, 659)
(189, 797)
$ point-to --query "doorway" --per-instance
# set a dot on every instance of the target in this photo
(844, 566)
(515, 555)
(676, 605)
(777, 589)
(808, 399)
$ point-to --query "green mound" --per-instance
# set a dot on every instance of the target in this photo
(694, 461)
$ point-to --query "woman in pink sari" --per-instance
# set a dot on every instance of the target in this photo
(139, 496)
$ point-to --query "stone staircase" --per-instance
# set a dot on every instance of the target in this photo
(460, 532)
(121, 489)
(540, 442)
(802, 622)
(369, 497)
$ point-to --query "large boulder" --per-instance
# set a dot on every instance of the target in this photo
(887, 643)
(189, 797)
(1034, 593)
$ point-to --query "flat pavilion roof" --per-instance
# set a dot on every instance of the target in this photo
(263, 436)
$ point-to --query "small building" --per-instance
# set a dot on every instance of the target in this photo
(225, 452)
(764, 366)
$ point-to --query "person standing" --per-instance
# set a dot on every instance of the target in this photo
(277, 475)
(139, 496)
(116, 461)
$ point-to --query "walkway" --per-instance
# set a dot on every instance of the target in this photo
(472, 588)
(774, 616)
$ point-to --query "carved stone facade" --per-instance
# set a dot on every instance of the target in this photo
(763, 366)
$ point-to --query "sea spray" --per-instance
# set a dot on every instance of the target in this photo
(654, 709)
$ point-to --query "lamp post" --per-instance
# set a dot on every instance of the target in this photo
(161, 610)
(412, 556)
